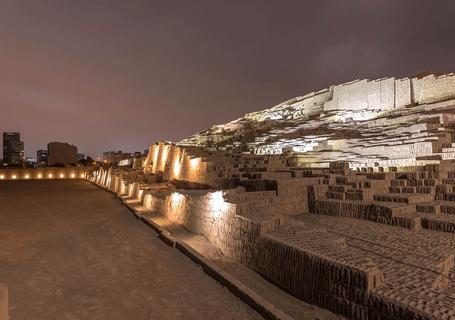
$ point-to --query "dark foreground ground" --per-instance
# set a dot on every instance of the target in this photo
(69, 250)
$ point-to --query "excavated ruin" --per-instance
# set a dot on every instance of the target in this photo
(344, 198)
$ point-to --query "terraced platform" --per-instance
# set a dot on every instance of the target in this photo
(417, 265)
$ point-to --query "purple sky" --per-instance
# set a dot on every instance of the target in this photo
(123, 74)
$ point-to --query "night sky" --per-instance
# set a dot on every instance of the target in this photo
(123, 74)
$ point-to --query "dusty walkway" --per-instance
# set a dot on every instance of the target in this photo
(70, 251)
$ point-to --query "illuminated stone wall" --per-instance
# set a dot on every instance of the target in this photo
(378, 123)
(244, 236)
(175, 163)
(214, 169)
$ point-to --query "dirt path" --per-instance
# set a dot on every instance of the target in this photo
(70, 251)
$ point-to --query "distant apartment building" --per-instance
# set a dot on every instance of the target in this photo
(41, 157)
(30, 160)
(61, 153)
(13, 148)
(80, 157)
(115, 156)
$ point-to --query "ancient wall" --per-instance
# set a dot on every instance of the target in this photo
(175, 163)
(384, 122)
(315, 265)
(245, 237)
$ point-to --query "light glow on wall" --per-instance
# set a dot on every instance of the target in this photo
(176, 200)
(62, 175)
(148, 201)
(27, 176)
(177, 167)
(164, 155)
(194, 163)
(122, 188)
(217, 204)
(50, 175)
(14, 176)
(73, 175)
(2, 176)
(40, 176)
(155, 157)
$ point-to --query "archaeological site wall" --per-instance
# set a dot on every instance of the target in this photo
(381, 123)
(344, 198)
(305, 259)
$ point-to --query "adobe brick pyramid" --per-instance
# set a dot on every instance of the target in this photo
(386, 122)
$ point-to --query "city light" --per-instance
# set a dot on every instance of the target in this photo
(27, 176)
(73, 175)
(40, 176)
(50, 175)
(82, 175)
(14, 176)
(2, 176)
(62, 175)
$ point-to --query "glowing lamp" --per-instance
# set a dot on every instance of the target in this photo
(50, 175)
(2, 176)
(40, 176)
(27, 176)
(73, 175)
(14, 176)
(62, 175)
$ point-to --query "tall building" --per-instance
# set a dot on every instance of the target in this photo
(41, 157)
(13, 148)
(61, 153)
